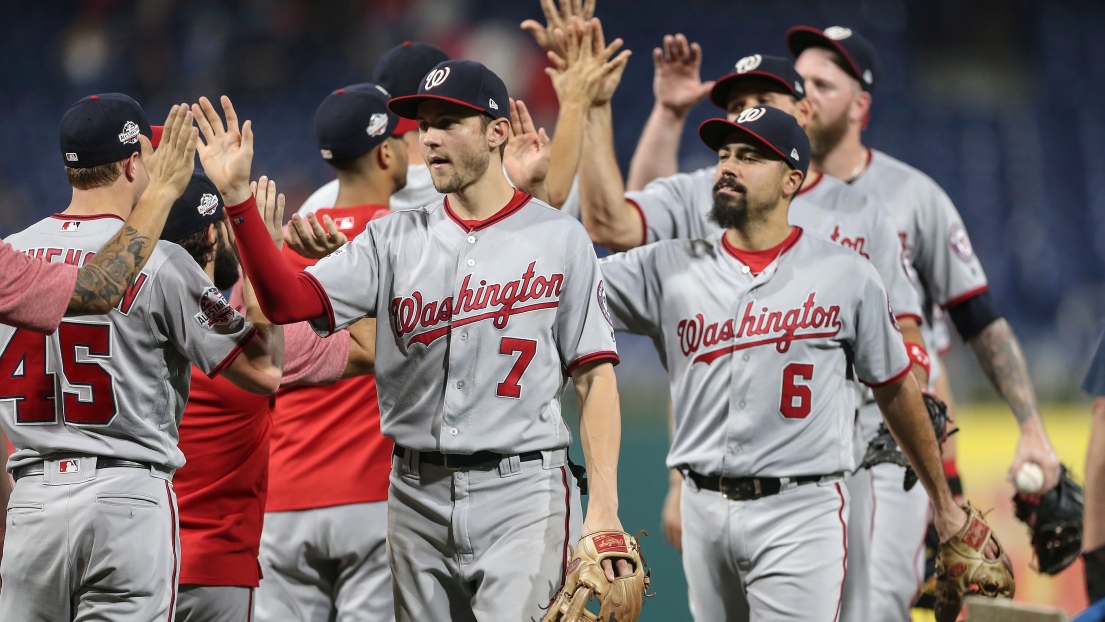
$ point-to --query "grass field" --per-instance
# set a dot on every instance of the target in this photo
(986, 442)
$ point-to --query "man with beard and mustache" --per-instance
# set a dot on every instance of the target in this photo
(486, 303)
(224, 432)
(763, 331)
(841, 70)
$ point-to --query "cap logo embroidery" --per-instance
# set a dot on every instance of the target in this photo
(129, 135)
(436, 77)
(751, 115)
(71, 157)
(492, 105)
(794, 154)
(748, 63)
(377, 124)
(798, 88)
(208, 203)
(326, 154)
(867, 77)
(836, 33)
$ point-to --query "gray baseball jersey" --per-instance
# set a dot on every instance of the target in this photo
(678, 207)
(114, 385)
(478, 325)
(761, 366)
(419, 191)
(938, 252)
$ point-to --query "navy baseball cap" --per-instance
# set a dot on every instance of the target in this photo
(200, 205)
(401, 69)
(462, 82)
(860, 59)
(768, 127)
(774, 70)
(102, 128)
(352, 121)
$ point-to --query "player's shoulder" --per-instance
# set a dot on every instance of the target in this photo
(689, 180)
(894, 173)
(815, 247)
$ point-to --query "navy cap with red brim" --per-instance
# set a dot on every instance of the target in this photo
(464, 83)
(858, 53)
(774, 70)
(767, 127)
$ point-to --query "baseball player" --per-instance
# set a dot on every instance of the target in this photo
(323, 550)
(224, 432)
(1093, 536)
(763, 330)
(399, 72)
(36, 295)
(841, 70)
(92, 408)
(486, 302)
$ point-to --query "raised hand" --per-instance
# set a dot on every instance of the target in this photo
(170, 166)
(557, 18)
(580, 73)
(271, 206)
(527, 154)
(314, 240)
(677, 82)
(227, 152)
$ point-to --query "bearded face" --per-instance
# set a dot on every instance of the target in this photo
(737, 204)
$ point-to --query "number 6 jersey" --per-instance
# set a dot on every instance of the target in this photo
(113, 385)
(478, 323)
(760, 365)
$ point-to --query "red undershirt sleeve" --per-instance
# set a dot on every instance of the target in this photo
(285, 296)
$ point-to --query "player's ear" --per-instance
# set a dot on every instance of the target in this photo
(805, 111)
(384, 157)
(498, 131)
(792, 181)
(130, 166)
(861, 107)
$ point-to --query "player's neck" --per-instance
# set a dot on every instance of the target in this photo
(811, 179)
(363, 188)
(115, 199)
(483, 198)
(846, 161)
(761, 234)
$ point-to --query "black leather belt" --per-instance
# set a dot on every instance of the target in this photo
(479, 461)
(39, 468)
(746, 488)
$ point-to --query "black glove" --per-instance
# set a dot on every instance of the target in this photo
(1055, 519)
(883, 448)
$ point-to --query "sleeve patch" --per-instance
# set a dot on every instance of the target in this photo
(960, 243)
(215, 310)
(600, 295)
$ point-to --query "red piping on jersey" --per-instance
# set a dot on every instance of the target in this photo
(321, 291)
(432, 335)
(567, 526)
(746, 256)
(910, 316)
(644, 221)
(173, 544)
(806, 188)
(917, 554)
(965, 296)
(895, 378)
(840, 515)
(710, 357)
(233, 353)
(87, 217)
(519, 200)
(594, 356)
(249, 615)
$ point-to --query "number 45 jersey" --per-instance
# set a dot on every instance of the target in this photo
(113, 385)
(760, 365)
(478, 323)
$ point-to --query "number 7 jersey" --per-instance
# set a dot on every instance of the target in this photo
(113, 385)
(760, 365)
(478, 323)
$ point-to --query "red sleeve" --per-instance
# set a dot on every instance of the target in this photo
(285, 297)
(34, 294)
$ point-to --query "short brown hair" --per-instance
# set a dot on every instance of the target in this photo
(96, 176)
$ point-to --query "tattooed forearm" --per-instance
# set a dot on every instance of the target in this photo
(102, 282)
(1000, 356)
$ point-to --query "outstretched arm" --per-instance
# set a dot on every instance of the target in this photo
(678, 87)
(609, 218)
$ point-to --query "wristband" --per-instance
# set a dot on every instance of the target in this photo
(919, 355)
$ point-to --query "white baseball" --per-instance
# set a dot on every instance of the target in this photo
(1030, 479)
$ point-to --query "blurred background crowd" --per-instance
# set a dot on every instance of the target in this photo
(992, 98)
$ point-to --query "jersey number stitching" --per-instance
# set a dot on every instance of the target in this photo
(527, 349)
(34, 390)
(793, 391)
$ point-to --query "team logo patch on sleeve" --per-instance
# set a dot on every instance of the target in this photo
(600, 296)
(960, 243)
(216, 311)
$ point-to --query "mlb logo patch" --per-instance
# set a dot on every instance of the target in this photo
(70, 157)
(345, 222)
(70, 225)
(69, 466)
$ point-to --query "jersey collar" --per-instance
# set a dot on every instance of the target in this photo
(758, 261)
(517, 202)
(86, 216)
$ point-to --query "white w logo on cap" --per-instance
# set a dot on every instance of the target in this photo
(436, 77)
(751, 115)
(748, 63)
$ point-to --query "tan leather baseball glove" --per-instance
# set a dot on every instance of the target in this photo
(962, 568)
(619, 601)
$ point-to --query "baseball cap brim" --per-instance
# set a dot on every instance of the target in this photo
(801, 38)
(716, 134)
(404, 126)
(719, 94)
(407, 106)
(155, 135)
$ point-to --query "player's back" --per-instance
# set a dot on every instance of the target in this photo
(113, 385)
